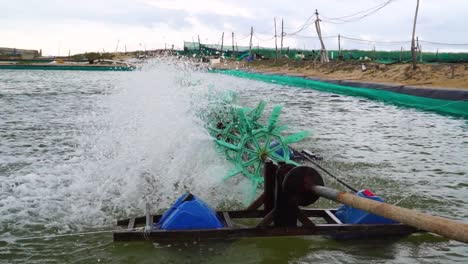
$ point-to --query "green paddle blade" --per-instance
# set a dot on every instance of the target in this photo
(258, 111)
(247, 143)
(232, 173)
(296, 137)
(227, 145)
(274, 117)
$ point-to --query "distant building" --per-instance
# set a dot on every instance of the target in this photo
(13, 53)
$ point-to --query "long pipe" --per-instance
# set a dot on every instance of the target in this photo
(445, 227)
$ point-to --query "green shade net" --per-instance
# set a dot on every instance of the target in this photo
(387, 57)
(446, 107)
(66, 67)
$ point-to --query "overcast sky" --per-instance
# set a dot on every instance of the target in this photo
(57, 26)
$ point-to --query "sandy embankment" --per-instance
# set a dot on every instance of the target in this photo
(452, 76)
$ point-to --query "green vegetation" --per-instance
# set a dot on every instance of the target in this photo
(92, 56)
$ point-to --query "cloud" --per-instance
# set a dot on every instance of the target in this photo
(87, 25)
(203, 7)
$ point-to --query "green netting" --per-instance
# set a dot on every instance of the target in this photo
(405, 56)
(454, 108)
(378, 56)
(66, 67)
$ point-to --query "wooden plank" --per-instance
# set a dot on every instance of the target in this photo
(331, 218)
(257, 203)
(131, 224)
(233, 214)
(267, 219)
(334, 230)
(246, 214)
(304, 220)
(316, 212)
(227, 219)
(138, 220)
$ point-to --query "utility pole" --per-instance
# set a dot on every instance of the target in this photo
(199, 45)
(250, 44)
(117, 46)
(339, 47)
(222, 44)
(401, 54)
(276, 39)
(282, 35)
(418, 50)
(232, 44)
(323, 51)
(373, 54)
(413, 44)
(420, 53)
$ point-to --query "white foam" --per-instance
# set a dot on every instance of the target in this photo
(142, 143)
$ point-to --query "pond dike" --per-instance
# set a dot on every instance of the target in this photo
(446, 101)
(455, 94)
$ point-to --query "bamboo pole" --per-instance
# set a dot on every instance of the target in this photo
(232, 44)
(413, 46)
(276, 40)
(222, 45)
(401, 54)
(282, 35)
(339, 46)
(250, 43)
(323, 51)
(373, 54)
(199, 45)
(445, 227)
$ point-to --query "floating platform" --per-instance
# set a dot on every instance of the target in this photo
(134, 229)
(278, 211)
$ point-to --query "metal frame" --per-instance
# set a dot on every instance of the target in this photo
(278, 217)
(133, 229)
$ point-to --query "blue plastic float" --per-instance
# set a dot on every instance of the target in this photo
(187, 213)
(351, 215)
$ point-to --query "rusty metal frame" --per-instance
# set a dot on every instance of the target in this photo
(331, 228)
(270, 221)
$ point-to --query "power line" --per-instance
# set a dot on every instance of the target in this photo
(342, 20)
(306, 24)
(376, 41)
(356, 16)
(447, 44)
(360, 12)
(307, 37)
(242, 38)
(261, 39)
(265, 31)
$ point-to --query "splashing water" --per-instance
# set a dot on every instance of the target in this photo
(80, 149)
(135, 143)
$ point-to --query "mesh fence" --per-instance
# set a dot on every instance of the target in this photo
(378, 56)
(446, 107)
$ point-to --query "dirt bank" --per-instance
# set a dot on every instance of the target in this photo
(426, 75)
